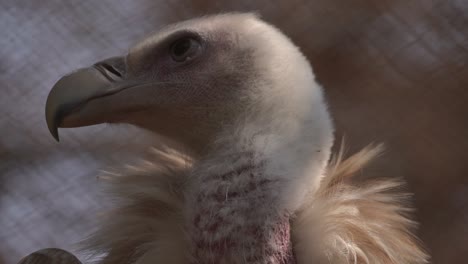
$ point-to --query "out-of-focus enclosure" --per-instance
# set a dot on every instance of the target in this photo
(394, 71)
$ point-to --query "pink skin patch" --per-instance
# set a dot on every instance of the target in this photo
(235, 220)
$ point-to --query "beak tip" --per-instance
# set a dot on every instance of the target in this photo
(52, 126)
(54, 131)
(56, 136)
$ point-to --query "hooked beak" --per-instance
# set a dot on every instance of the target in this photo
(72, 92)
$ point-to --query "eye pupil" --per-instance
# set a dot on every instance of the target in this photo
(184, 49)
(182, 46)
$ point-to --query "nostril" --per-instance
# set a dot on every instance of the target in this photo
(108, 71)
(111, 69)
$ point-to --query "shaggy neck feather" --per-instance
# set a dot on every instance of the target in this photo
(235, 214)
(242, 196)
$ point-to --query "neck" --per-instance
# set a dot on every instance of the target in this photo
(241, 199)
(235, 214)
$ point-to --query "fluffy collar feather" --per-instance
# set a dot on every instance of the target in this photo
(343, 222)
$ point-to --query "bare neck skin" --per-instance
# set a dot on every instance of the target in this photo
(235, 215)
(241, 198)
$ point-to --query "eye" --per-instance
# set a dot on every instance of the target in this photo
(184, 49)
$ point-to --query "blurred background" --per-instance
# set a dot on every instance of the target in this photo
(394, 71)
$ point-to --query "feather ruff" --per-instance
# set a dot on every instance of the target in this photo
(345, 222)
(146, 225)
(341, 223)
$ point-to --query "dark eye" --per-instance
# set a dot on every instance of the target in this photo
(184, 49)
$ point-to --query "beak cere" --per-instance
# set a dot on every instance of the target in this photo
(76, 89)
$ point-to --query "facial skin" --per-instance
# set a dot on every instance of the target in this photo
(183, 83)
(199, 82)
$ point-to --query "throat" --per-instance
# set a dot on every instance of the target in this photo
(236, 215)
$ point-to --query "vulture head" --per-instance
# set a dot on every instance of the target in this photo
(242, 98)
(198, 82)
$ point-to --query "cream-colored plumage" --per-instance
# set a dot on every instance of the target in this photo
(357, 222)
(345, 222)
(257, 186)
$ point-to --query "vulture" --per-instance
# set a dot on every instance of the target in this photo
(253, 178)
